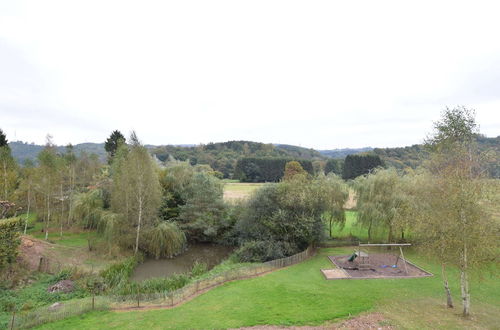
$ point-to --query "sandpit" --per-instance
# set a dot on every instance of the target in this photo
(381, 265)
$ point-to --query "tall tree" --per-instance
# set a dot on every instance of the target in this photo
(26, 188)
(113, 142)
(8, 170)
(333, 192)
(46, 180)
(136, 178)
(455, 225)
(293, 169)
(360, 164)
(3, 139)
(8, 173)
(381, 201)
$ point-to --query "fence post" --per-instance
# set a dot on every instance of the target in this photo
(13, 319)
(93, 300)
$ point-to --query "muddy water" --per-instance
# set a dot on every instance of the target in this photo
(208, 253)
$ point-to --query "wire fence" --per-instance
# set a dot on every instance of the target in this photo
(164, 299)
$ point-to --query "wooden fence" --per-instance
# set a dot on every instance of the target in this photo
(32, 318)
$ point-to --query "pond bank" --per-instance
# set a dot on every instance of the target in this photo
(210, 254)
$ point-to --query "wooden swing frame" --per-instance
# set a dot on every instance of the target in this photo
(402, 256)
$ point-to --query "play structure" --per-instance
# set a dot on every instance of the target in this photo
(363, 260)
(365, 263)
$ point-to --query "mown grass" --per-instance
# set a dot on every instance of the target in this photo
(71, 237)
(299, 295)
(352, 230)
(239, 190)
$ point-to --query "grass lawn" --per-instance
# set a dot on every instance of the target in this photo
(239, 190)
(299, 295)
(70, 249)
(351, 229)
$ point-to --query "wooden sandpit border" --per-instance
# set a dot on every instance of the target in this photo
(349, 277)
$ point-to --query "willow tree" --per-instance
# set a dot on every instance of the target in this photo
(136, 180)
(380, 201)
(457, 227)
(165, 240)
(332, 191)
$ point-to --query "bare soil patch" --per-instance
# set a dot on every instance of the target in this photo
(382, 265)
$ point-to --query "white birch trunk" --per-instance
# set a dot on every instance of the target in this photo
(139, 222)
(464, 284)
(28, 212)
(449, 300)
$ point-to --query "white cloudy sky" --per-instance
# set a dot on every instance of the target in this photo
(321, 74)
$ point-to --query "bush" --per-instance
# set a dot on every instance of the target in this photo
(261, 251)
(9, 238)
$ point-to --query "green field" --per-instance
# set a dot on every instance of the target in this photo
(351, 230)
(239, 190)
(299, 295)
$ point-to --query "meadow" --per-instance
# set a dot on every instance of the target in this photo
(234, 190)
(299, 295)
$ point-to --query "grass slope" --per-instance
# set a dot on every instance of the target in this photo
(299, 295)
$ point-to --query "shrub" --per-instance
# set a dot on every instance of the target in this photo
(261, 251)
(9, 238)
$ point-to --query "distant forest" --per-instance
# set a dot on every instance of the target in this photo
(224, 156)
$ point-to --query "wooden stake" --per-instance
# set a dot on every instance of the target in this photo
(404, 260)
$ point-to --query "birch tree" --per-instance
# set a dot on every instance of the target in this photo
(46, 180)
(136, 178)
(457, 226)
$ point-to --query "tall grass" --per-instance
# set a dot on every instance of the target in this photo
(118, 274)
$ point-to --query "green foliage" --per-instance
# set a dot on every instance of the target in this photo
(136, 190)
(118, 274)
(8, 174)
(360, 164)
(382, 202)
(222, 157)
(164, 240)
(9, 240)
(113, 143)
(203, 217)
(199, 268)
(259, 251)
(403, 157)
(88, 207)
(193, 198)
(334, 166)
(266, 169)
(33, 296)
(3, 139)
(292, 169)
(284, 218)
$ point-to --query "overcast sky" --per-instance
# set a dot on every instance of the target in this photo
(320, 74)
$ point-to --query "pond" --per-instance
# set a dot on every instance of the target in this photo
(210, 254)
